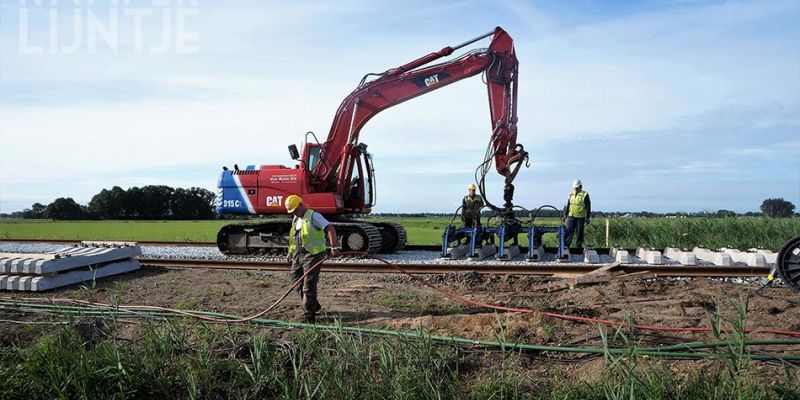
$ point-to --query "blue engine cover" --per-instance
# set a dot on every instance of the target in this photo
(232, 198)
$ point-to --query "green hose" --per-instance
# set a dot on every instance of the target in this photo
(660, 352)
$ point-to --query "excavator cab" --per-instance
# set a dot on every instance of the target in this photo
(358, 190)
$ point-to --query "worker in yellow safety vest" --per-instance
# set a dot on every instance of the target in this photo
(578, 211)
(307, 247)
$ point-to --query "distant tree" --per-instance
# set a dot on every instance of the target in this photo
(192, 203)
(725, 213)
(777, 208)
(134, 203)
(64, 209)
(35, 212)
(152, 202)
(100, 206)
(111, 204)
(39, 209)
(155, 203)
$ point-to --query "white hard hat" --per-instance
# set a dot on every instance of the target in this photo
(576, 183)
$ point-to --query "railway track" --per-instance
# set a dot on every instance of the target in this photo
(408, 247)
(412, 247)
(499, 269)
(141, 242)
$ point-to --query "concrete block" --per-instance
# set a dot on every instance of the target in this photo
(483, 252)
(538, 254)
(35, 283)
(683, 257)
(619, 255)
(713, 257)
(590, 256)
(564, 257)
(748, 258)
(770, 256)
(64, 259)
(509, 253)
(649, 255)
(66, 266)
(455, 253)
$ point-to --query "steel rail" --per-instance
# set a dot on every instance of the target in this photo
(408, 247)
(412, 247)
(497, 269)
(141, 242)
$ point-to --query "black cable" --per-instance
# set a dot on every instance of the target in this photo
(536, 214)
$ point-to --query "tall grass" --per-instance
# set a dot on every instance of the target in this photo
(741, 232)
(197, 361)
(182, 359)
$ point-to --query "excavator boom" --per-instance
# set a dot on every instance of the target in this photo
(416, 78)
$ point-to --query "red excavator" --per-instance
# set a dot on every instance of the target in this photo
(337, 178)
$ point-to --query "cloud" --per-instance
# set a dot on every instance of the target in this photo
(655, 96)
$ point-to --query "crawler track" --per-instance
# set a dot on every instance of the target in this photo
(499, 269)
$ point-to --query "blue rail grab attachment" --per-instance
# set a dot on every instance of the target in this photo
(473, 234)
(505, 233)
(535, 232)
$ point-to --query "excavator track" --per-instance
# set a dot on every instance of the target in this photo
(272, 237)
(393, 235)
(358, 236)
(254, 238)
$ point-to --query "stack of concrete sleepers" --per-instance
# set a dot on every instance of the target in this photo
(66, 266)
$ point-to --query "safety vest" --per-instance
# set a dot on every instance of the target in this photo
(313, 239)
(473, 203)
(577, 204)
(472, 206)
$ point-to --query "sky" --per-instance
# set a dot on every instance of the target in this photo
(655, 105)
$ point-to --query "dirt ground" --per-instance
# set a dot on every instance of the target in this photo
(397, 302)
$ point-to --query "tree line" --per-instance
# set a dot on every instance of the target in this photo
(164, 202)
(146, 202)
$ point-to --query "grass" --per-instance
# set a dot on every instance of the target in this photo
(739, 232)
(189, 231)
(101, 358)
(182, 360)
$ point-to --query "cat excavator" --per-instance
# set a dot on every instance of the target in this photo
(337, 177)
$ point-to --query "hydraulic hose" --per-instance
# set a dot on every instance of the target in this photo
(448, 294)
(660, 352)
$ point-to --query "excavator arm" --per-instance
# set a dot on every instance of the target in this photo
(498, 62)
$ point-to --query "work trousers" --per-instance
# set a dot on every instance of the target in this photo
(471, 221)
(301, 263)
(574, 227)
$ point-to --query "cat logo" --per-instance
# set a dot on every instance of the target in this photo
(432, 80)
(274, 201)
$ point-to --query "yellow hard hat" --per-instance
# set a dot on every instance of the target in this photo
(292, 202)
(471, 186)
